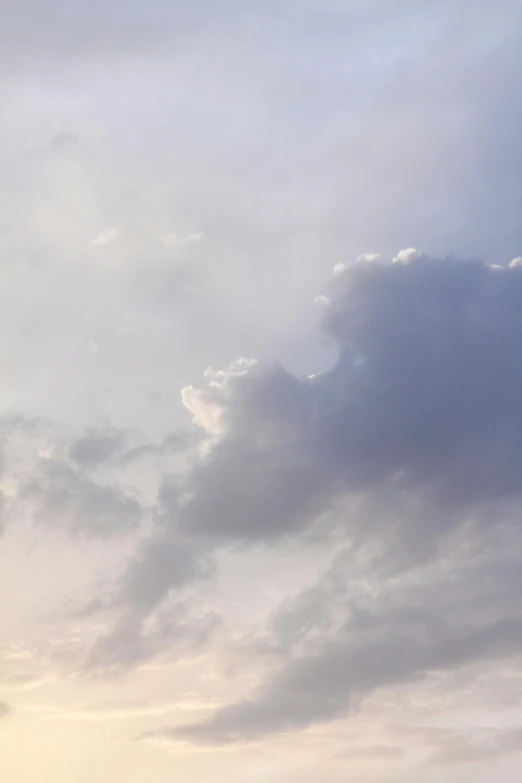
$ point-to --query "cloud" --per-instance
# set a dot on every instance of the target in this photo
(57, 495)
(424, 398)
(96, 446)
(322, 301)
(162, 566)
(408, 447)
(400, 631)
(478, 746)
(407, 256)
(105, 238)
(175, 630)
(296, 137)
(64, 140)
(172, 241)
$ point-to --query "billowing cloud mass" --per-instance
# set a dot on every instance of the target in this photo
(260, 420)
(424, 402)
(407, 450)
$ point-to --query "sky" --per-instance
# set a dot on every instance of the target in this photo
(260, 411)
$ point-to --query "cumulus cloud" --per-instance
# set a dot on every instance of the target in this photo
(406, 256)
(410, 442)
(300, 134)
(425, 397)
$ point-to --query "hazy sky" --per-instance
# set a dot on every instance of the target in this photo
(261, 424)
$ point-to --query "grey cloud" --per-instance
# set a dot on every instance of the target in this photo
(407, 633)
(161, 567)
(414, 432)
(60, 496)
(176, 442)
(176, 631)
(97, 446)
(436, 394)
(478, 746)
(425, 396)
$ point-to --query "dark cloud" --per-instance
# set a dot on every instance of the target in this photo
(425, 397)
(436, 386)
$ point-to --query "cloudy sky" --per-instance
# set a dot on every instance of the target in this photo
(261, 423)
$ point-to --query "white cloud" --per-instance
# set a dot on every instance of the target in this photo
(407, 256)
(105, 238)
(178, 240)
(370, 257)
(322, 301)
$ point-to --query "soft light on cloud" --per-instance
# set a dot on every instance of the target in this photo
(177, 240)
(407, 256)
(105, 238)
